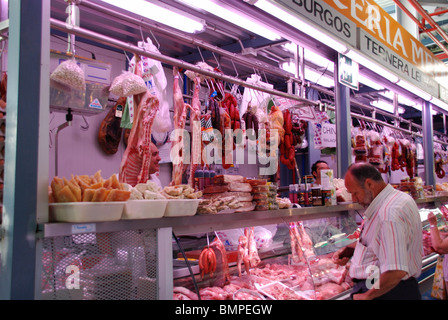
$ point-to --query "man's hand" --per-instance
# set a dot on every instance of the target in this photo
(343, 255)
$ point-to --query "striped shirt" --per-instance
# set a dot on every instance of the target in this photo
(391, 237)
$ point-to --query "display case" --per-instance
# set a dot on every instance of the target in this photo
(283, 261)
(158, 258)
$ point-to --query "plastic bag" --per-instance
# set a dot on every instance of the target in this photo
(262, 236)
(69, 74)
(155, 80)
(127, 84)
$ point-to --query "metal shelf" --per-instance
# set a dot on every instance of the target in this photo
(201, 223)
(211, 222)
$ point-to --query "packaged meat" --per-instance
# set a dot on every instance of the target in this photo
(241, 196)
(215, 189)
(239, 186)
(256, 182)
(260, 196)
(227, 178)
(260, 188)
(261, 207)
(246, 206)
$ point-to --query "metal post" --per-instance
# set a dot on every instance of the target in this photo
(165, 263)
(343, 124)
(428, 144)
(26, 148)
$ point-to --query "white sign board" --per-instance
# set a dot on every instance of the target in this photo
(328, 135)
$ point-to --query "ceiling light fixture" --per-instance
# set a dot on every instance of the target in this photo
(217, 9)
(370, 83)
(413, 89)
(386, 106)
(162, 13)
(299, 24)
(310, 75)
(440, 103)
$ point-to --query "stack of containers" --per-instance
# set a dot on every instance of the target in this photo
(260, 196)
(328, 189)
(272, 196)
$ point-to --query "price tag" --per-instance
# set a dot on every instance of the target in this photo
(83, 228)
(119, 111)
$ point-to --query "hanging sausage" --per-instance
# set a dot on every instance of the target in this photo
(287, 149)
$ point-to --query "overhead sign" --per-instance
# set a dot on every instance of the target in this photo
(348, 72)
(320, 13)
(390, 59)
(380, 37)
(395, 47)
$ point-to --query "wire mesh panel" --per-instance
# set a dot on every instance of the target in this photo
(101, 266)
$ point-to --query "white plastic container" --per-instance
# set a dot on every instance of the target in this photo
(86, 211)
(181, 207)
(144, 209)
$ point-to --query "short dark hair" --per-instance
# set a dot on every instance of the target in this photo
(363, 170)
(314, 166)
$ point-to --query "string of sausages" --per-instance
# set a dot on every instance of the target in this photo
(287, 149)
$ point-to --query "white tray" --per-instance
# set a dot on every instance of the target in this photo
(181, 207)
(144, 209)
(265, 290)
(86, 211)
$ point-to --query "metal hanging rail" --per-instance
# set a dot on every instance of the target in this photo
(56, 24)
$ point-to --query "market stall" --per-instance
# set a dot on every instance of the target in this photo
(237, 215)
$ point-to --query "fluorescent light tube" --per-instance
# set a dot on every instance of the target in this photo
(372, 84)
(294, 21)
(162, 13)
(233, 17)
(413, 89)
(440, 103)
(318, 78)
(401, 99)
(310, 75)
(386, 106)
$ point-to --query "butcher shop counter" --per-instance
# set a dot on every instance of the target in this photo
(133, 259)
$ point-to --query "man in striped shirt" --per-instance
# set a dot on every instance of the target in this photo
(387, 258)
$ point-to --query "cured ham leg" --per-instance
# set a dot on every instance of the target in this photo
(180, 115)
(195, 124)
(134, 166)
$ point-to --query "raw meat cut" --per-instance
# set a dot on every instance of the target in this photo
(137, 156)
(179, 118)
(195, 124)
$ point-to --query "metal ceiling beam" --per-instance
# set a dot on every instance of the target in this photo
(422, 26)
